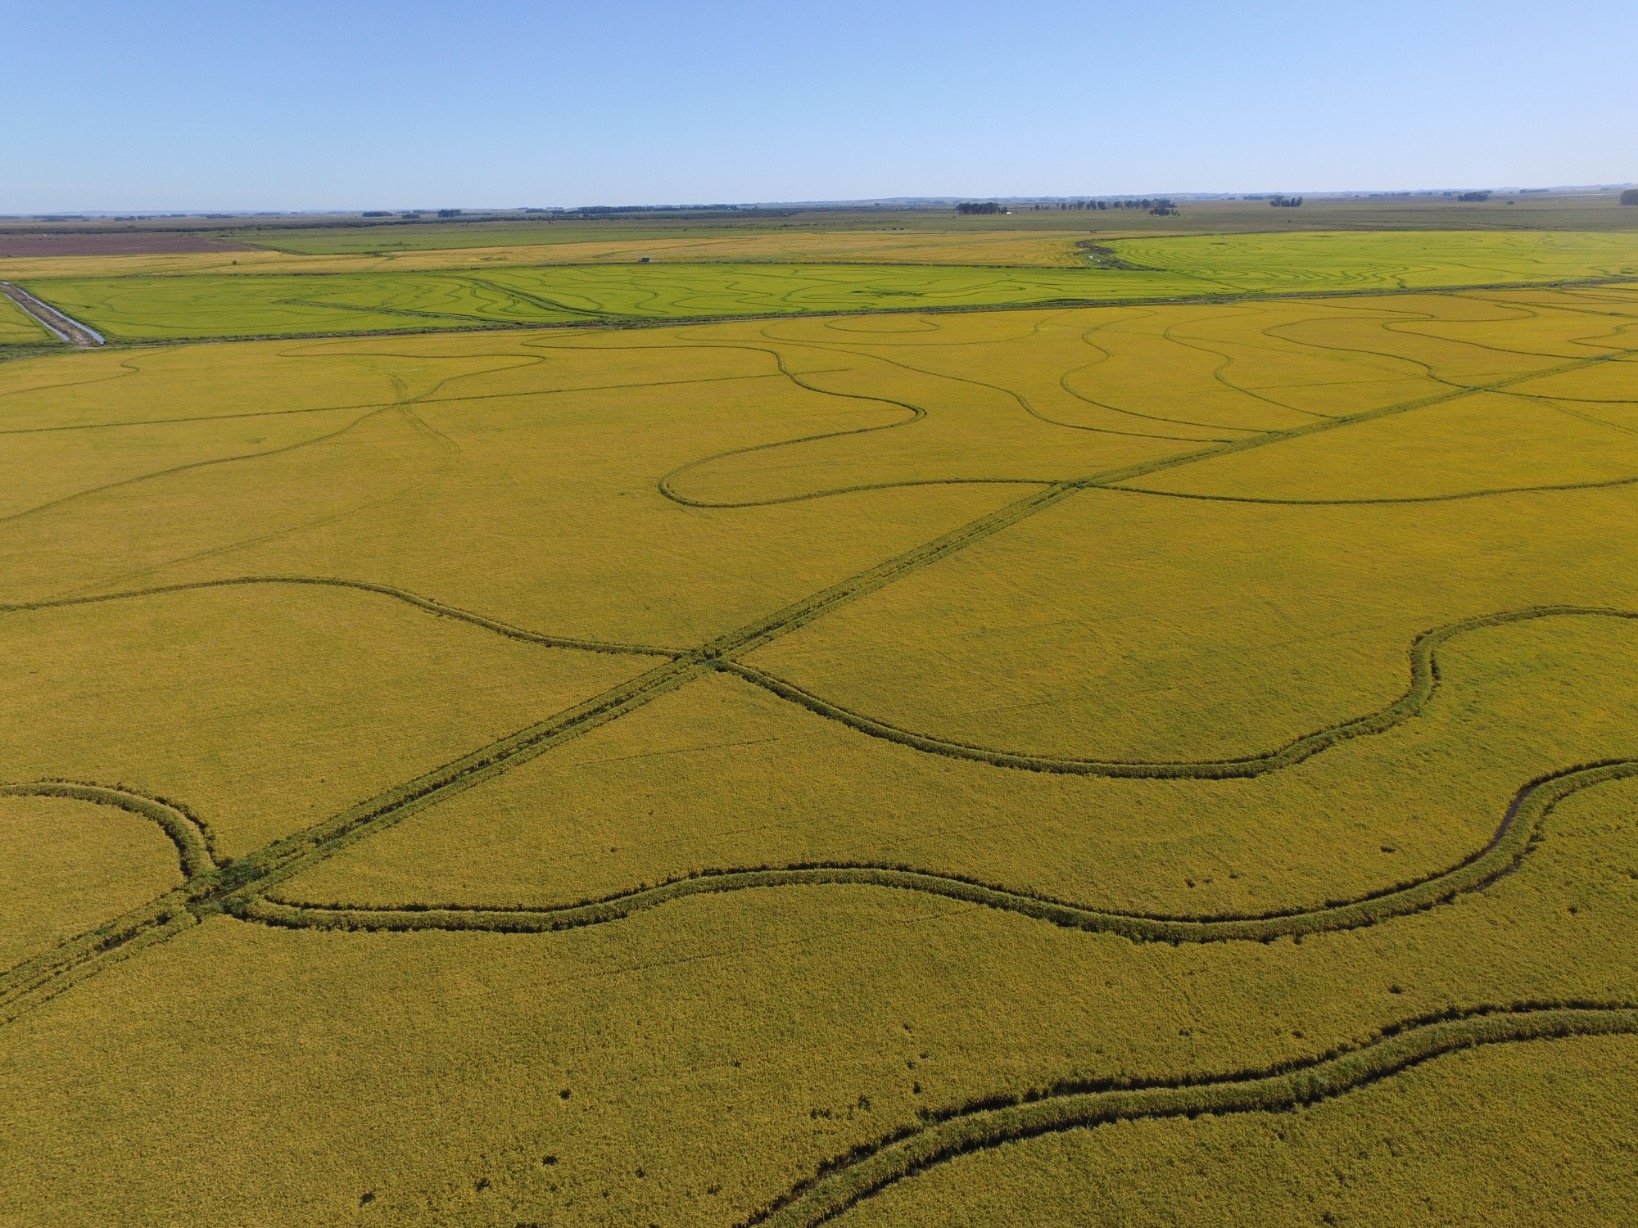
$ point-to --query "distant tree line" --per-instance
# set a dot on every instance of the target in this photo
(1630, 196)
(1151, 204)
(975, 206)
(701, 210)
(1286, 202)
(1473, 198)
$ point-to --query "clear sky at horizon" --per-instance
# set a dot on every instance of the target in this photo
(185, 105)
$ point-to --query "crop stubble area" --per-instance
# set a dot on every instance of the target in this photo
(1149, 764)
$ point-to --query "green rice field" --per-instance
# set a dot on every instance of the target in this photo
(171, 307)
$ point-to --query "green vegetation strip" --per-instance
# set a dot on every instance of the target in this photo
(870, 1168)
(188, 307)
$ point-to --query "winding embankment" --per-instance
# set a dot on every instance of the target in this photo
(180, 825)
(1508, 846)
(243, 889)
(46, 975)
(1424, 681)
(427, 605)
(870, 1168)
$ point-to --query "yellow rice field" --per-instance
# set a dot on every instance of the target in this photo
(1147, 764)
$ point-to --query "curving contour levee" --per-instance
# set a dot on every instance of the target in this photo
(1424, 682)
(180, 825)
(427, 605)
(867, 1170)
(1507, 848)
(35, 980)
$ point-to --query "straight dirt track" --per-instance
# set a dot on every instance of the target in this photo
(62, 326)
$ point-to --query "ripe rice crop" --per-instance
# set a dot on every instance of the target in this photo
(17, 327)
(1176, 758)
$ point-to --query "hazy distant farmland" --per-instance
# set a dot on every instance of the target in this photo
(843, 227)
(916, 768)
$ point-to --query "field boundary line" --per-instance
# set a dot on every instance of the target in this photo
(43, 976)
(1385, 500)
(226, 887)
(429, 605)
(194, 846)
(1213, 448)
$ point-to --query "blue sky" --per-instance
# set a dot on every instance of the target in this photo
(363, 104)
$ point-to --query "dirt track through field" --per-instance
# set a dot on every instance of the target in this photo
(59, 324)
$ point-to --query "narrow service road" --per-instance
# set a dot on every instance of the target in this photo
(61, 326)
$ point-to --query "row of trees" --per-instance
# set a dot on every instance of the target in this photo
(1630, 196)
(1096, 205)
(1159, 206)
(1285, 202)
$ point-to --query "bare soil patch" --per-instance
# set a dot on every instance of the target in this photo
(35, 243)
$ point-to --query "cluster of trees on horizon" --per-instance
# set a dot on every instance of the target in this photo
(1147, 202)
(1160, 206)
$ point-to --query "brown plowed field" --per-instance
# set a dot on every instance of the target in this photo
(35, 243)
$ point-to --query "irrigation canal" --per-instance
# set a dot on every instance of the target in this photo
(60, 325)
